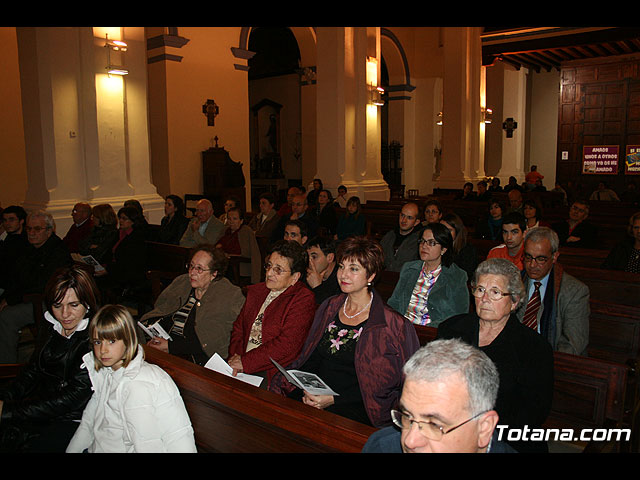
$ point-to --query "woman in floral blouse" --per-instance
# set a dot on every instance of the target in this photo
(357, 344)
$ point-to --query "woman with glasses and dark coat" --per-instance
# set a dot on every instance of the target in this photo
(431, 289)
(524, 358)
(197, 309)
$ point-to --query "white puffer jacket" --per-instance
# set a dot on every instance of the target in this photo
(133, 410)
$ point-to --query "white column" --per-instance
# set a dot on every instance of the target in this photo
(514, 106)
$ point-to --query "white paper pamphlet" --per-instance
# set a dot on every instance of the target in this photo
(155, 330)
(309, 382)
(217, 364)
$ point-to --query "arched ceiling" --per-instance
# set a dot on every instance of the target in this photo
(546, 48)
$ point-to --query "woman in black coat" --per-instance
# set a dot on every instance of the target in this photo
(103, 236)
(42, 407)
(174, 223)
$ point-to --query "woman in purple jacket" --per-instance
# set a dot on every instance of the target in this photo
(357, 344)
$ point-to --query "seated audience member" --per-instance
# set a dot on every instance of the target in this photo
(450, 382)
(432, 212)
(135, 407)
(464, 253)
(400, 245)
(533, 214)
(265, 222)
(312, 196)
(490, 226)
(14, 244)
(81, 228)
(295, 231)
(127, 269)
(515, 201)
(603, 192)
(626, 255)
(532, 177)
(558, 188)
(204, 227)
(197, 309)
(44, 255)
(149, 233)
(41, 408)
(524, 359)
(229, 203)
(513, 227)
(353, 222)
(275, 319)
(103, 236)
(356, 344)
(325, 214)
(495, 185)
(631, 194)
(322, 271)
(341, 199)
(174, 223)
(512, 185)
(560, 309)
(239, 240)
(483, 195)
(431, 289)
(577, 231)
(285, 209)
(538, 186)
(299, 211)
(467, 192)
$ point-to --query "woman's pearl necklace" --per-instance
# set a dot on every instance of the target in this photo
(344, 307)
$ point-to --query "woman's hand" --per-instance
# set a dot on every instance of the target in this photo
(318, 401)
(159, 343)
(235, 362)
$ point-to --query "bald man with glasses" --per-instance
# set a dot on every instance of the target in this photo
(400, 245)
(557, 303)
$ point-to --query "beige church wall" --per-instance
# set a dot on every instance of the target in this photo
(13, 185)
(206, 71)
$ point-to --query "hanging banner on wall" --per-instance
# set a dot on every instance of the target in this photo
(600, 159)
(632, 161)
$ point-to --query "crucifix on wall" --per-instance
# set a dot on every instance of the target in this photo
(211, 110)
(509, 125)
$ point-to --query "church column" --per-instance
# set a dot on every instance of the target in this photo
(348, 139)
(461, 141)
(85, 132)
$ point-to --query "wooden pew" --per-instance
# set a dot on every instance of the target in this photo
(588, 393)
(230, 416)
(610, 286)
(167, 258)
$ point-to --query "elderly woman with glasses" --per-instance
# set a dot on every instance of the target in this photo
(431, 289)
(523, 357)
(197, 309)
(276, 316)
(357, 344)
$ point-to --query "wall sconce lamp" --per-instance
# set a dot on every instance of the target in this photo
(375, 95)
(486, 115)
(117, 46)
(439, 121)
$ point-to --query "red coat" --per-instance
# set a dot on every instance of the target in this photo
(76, 234)
(285, 326)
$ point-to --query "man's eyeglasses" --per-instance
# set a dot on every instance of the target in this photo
(430, 430)
(277, 269)
(431, 242)
(493, 293)
(540, 260)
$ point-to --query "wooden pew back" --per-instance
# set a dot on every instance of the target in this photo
(230, 416)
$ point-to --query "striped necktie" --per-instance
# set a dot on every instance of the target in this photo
(531, 313)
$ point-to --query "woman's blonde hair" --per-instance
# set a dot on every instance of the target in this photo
(114, 322)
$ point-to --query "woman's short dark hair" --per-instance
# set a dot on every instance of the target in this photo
(133, 214)
(365, 251)
(77, 277)
(269, 197)
(237, 209)
(105, 214)
(533, 204)
(178, 203)
(218, 261)
(442, 235)
(295, 253)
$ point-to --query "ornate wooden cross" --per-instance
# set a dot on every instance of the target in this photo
(211, 110)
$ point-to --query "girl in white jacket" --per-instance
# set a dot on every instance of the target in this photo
(136, 406)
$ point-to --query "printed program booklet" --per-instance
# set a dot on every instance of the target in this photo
(309, 382)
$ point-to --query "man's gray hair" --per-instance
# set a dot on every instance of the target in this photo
(504, 268)
(49, 222)
(439, 359)
(540, 233)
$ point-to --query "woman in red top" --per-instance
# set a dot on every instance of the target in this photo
(240, 240)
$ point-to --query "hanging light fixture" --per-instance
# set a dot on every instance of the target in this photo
(117, 46)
